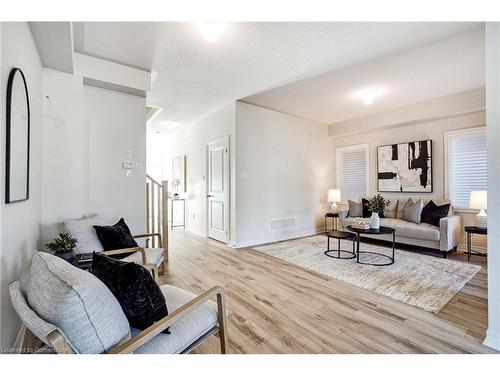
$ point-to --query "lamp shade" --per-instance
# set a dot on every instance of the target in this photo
(334, 195)
(478, 200)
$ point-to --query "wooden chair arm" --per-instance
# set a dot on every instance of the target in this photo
(126, 251)
(147, 235)
(58, 342)
(135, 342)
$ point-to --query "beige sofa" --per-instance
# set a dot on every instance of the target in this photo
(445, 238)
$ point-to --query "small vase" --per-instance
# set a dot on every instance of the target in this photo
(375, 221)
(68, 257)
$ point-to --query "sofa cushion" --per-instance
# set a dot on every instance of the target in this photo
(366, 207)
(153, 256)
(135, 289)
(391, 209)
(116, 236)
(441, 202)
(183, 331)
(76, 302)
(83, 231)
(412, 211)
(355, 208)
(408, 229)
(432, 213)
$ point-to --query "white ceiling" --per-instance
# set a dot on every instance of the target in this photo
(194, 77)
(441, 69)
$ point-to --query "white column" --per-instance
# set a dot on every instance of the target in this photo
(493, 134)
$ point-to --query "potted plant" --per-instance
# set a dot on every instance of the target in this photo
(377, 206)
(63, 247)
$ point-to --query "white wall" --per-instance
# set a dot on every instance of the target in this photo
(19, 221)
(283, 169)
(191, 140)
(88, 133)
(493, 130)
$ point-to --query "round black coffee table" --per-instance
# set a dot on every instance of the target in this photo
(381, 230)
(339, 253)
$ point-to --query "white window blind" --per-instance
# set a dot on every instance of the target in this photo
(352, 171)
(466, 165)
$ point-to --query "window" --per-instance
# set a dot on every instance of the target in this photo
(465, 163)
(352, 171)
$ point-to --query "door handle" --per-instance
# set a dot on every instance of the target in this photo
(210, 196)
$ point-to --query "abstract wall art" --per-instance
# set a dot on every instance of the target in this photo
(405, 167)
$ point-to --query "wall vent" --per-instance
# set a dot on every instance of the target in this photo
(278, 224)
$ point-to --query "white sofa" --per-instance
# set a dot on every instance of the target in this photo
(445, 238)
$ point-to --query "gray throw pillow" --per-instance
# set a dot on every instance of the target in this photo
(355, 209)
(84, 232)
(76, 302)
(412, 211)
(392, 209)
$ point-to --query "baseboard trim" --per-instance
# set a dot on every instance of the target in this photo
(492, 340)
(279, 238)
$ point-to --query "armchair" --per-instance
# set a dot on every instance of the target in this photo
(154, 259)
(191, 320)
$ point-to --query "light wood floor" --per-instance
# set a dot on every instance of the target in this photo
(278, 307)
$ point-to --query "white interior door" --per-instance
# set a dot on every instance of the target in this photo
(218, 189)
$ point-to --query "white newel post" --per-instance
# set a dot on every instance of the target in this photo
(493, 136)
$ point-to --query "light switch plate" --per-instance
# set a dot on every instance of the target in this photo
(128, 165)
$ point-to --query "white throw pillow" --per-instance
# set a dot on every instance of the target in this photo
(83, 231)
(77, 303)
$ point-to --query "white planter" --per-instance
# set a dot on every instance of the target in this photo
(375, 221)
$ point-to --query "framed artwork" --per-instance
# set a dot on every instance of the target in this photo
(405, 167)
(179, 174)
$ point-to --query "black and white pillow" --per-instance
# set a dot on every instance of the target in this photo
(135, 289)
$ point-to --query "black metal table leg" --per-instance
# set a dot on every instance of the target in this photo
(357, 247)
(469, 246)
(393, 245)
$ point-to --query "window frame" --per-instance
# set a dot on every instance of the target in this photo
(357, 147)
(446, 143)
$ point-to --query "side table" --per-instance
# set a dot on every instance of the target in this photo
(335, 221)
(469, 230)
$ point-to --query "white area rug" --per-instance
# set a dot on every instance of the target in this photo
(419, 280)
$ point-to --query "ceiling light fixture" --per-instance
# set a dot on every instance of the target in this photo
(211, 31)
(368, 95)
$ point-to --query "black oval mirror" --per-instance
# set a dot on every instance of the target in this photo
(18, 138)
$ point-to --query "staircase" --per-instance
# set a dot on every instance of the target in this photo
(157, 212)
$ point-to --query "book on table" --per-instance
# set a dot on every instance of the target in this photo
(84, 258)
(360, 226)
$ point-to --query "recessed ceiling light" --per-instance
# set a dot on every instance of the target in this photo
(368, 96)
(211, 31)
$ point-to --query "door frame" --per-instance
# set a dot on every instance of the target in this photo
(227, 210)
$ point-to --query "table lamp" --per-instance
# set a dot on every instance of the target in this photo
(334, 197)
(478, 201)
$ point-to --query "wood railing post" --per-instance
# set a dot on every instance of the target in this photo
(164, 222)
(148, 211)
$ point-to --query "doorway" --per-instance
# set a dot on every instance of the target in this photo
(218, 189)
